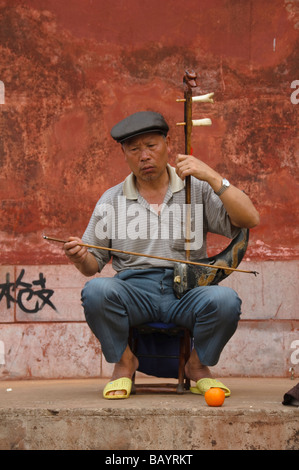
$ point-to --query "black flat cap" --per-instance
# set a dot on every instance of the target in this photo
(139, 123)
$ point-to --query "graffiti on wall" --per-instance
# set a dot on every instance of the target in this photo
(31, 297)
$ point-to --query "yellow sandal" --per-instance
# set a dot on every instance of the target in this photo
(124, 383)
(203, 385)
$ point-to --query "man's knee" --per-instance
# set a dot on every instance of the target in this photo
(222, 302)
(228, 304)
(97, 292)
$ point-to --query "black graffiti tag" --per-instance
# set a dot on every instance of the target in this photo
(26, 293)
(5, 291)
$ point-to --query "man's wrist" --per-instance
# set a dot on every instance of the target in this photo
(225, 184)
(89, 266)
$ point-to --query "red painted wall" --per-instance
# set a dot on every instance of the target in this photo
(72, 69)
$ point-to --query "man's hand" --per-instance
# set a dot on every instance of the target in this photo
(76, 253)
(84, 261)
(187, 165)
(240, 209)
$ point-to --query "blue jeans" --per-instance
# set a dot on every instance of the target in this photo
(137, 296)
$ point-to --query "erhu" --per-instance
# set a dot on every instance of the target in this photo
(213, 270)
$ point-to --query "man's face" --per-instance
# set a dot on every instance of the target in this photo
(147, 155)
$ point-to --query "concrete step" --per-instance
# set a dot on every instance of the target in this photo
(72, 415)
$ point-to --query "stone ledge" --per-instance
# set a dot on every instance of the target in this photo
(72, 415)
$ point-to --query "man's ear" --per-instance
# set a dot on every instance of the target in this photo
(123, 151)
(168, 143)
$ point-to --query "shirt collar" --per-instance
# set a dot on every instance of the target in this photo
(175, 184)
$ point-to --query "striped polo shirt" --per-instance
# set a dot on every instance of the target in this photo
(124, 220)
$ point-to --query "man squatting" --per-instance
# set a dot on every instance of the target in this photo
(142, 289)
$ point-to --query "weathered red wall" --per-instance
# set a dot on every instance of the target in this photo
(72, 69)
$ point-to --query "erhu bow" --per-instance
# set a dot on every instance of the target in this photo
(213, 270)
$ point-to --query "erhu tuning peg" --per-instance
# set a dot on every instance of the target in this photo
(197, 122)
